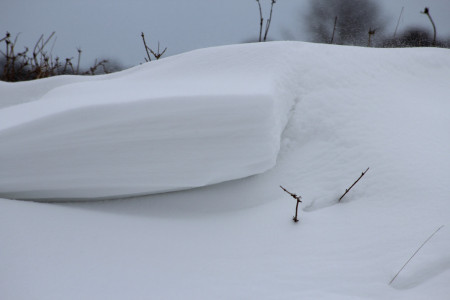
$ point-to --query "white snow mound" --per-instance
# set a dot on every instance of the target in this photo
(187, 121)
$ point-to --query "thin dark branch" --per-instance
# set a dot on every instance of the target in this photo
(334, 30)
(398, 21)
(48, 39)
(37, 43)
(261, 20)
(34, 50)
(53, 44)
(79, 58)
(16, 38)
(43, 44)
(146, 48)
(1, 40)
(158, 54)
(150, 51)
(269, 20)
(347, 190)
(296, 197)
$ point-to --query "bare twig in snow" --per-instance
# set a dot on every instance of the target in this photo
(298, 198)
(347, 190)
(423, 244)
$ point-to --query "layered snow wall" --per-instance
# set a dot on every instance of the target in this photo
(186, 121)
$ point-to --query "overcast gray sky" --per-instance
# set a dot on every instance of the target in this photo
(111, 29)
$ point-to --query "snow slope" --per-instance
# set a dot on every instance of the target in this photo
(345, 109)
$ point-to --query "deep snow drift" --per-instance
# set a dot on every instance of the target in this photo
(345, 109)
(186, 121)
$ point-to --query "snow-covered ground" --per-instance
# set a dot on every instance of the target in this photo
(307, 116)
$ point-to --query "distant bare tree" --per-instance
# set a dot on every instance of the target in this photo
(355, 18)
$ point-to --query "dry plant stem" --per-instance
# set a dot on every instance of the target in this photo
(53, 44)
(146, 48)
(426, 11)
(296, 211)
(398, 21)
(40, 63)
(334, 30)
(79, 58)
(158, 54)
(95, 66)
(298, 198)
(269, 20)
(42, 46)
(423, 244)
(261, 20)
(149, 51)
(347, 190)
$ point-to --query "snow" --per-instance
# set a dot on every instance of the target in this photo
(159, 127)
(307, 116)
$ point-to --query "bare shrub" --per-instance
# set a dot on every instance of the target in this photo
(40, 63)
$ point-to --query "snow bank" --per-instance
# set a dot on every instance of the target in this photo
(198, 118)
(192, 120)
(387, 109)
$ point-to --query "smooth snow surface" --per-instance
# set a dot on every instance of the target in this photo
(314, 116)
